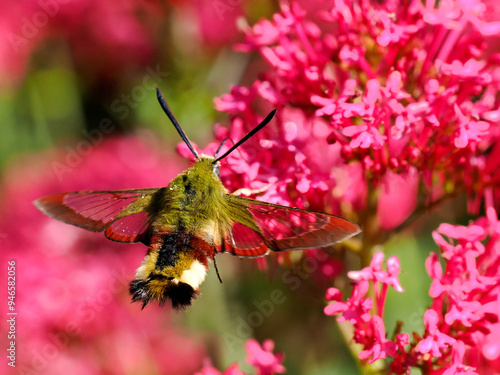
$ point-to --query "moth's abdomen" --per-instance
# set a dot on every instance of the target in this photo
(162, 289)
(173, 269)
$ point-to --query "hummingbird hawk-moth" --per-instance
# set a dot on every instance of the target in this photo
(186, 224)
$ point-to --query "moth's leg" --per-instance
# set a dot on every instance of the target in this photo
(216, 269)
(247, 192)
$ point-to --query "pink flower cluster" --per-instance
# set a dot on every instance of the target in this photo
(465, 313)
(261, 358)
(369, 330)
(373, 98)
(462, 327)
(396, 89)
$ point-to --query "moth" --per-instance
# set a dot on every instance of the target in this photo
(186, 224)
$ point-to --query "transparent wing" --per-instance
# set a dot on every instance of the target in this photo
(124, 214)
(259, 227)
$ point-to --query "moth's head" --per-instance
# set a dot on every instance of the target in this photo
(209, 163)
(206, 166)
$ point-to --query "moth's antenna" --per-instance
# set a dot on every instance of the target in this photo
(250, 134)
(174, 121)
(220, 146)
(217, 271)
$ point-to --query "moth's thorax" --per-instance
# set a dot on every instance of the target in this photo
(197, 191)
(200, 176)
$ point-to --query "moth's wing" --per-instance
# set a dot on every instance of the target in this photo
(258, 227)
(242, 241)
(124, 215)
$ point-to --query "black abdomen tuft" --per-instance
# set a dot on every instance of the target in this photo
(160, 289)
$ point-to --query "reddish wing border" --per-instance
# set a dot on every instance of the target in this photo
(243, 241)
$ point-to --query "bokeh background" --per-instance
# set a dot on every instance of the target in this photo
(78, 111)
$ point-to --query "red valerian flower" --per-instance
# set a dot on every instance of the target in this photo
(355, 309)
(399, 90)
(262, 359)
(435, 341)
(369, 330)
(466, 306)
(381, 347)
(463, 323)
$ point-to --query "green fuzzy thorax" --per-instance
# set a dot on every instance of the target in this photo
(195, 197)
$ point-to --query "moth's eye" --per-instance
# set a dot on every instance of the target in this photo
(216, 170)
